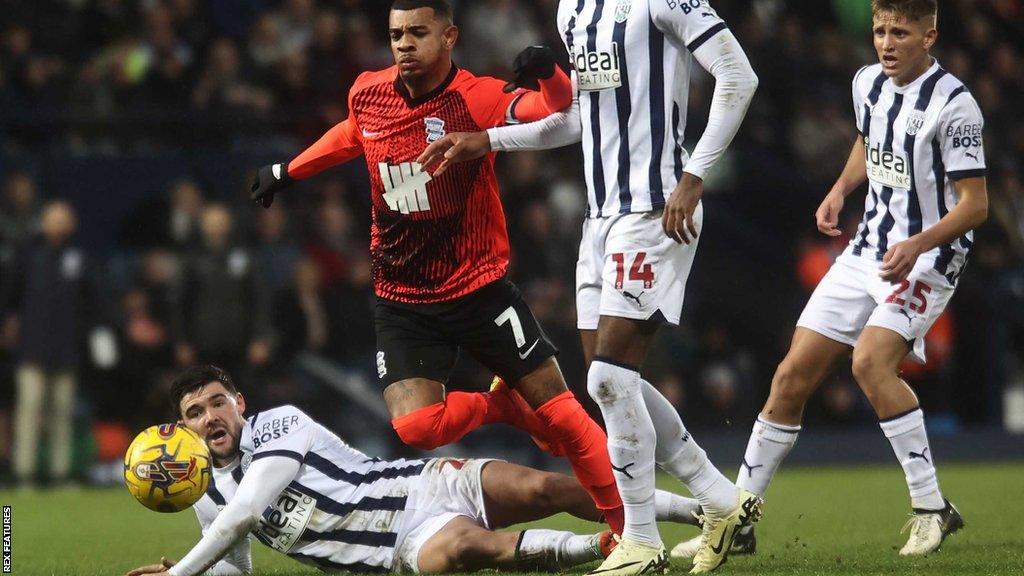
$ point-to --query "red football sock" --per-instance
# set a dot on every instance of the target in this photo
(586, 447)
(448, 421)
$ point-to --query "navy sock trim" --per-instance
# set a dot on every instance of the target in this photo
(611, 362)
(900, 415)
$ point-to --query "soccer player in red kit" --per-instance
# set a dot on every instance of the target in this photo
(440, 249)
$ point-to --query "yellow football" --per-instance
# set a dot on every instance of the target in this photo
(167, 468)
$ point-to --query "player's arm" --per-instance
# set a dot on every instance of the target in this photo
(339, 145)
(959, 138)
(555, 131)
(853, 175)
(716, 49)
(264, 481)
(549, 89)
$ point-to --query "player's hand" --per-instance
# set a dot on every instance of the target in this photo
(899, 261)
(160, 568)
(677, 219)
(270, 180)
(827, 216)
(452, 148)
(532, 64)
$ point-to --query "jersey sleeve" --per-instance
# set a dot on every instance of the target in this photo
(285, 431)
(959, 133)
(858, 99)
(687, 23)
(238, 560)
(491, 106)
(339, 145)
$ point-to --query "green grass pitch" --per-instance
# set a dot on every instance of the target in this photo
(818, 521)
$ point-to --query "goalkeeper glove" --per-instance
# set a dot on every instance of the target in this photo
(270, 180)
(532, 64)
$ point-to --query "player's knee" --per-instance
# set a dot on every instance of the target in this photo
(468, 548)
(544, 489)
(790, 386)
(866, 369)
(421, 428)
(608, 384)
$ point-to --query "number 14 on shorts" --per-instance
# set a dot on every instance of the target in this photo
(638, 271)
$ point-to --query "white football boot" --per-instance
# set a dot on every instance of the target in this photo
(631, 558)
(928, 528)
(718, 532)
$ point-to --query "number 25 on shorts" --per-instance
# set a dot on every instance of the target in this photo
(638, 271)
(921, 290)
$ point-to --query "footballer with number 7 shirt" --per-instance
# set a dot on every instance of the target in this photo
(440, 250)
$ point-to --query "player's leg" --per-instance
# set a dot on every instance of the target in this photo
(502, 333)
(465, 546)
(413, 361)
(876, 360)
(515, 494)
(810, 358)
(897, 327)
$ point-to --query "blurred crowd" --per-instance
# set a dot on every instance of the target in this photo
(105, 293)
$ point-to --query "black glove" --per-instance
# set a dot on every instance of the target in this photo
(533, 63)
(270, 180)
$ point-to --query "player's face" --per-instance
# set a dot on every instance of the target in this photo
(902, 45)
(420, 42)
(216, 415)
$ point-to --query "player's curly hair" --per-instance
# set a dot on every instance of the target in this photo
(912, 10)
(442, 8)
(195, 378)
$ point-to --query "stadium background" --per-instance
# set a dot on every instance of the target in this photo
(150, 118)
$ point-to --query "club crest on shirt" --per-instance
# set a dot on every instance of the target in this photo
(435, 129)
(915, 120)
(622, 10)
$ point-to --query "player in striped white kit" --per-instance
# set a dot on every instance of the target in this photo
(632, 61)
(920, 149)
(304, 492)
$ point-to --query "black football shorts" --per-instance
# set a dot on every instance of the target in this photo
(493, 324)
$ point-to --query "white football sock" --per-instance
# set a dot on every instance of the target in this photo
(679, 455)
(669, 507)
(768, 446)
(553, 549)
(631, 442)
(909, 441)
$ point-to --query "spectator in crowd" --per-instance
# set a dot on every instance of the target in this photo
(222, 307)
(49, 307)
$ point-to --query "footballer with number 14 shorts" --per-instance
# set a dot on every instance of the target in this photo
(632, 61)
(440, 251)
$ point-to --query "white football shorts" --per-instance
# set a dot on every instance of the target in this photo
(446, 489)
(629, 268)
(852, 296)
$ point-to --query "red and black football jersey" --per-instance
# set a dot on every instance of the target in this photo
(432, 239)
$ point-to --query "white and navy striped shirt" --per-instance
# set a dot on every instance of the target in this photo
(919, 139)
(343, 510)
(632, 62)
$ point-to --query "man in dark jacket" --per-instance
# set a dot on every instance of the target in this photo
(49, 304)
(222, 311)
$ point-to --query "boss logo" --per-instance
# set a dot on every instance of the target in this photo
(687, 6)
(965, 135)
(597, 70)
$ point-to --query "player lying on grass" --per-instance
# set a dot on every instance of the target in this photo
(920, 150)
(301, 490)
(440, 249)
